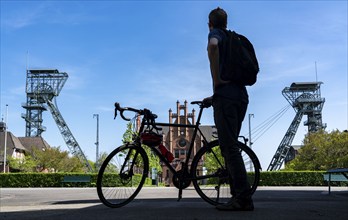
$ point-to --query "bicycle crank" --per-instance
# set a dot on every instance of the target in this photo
(181, 179)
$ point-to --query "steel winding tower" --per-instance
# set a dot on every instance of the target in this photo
(42, 88)
(305, 98)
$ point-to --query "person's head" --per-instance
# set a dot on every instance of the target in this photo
(218, 18)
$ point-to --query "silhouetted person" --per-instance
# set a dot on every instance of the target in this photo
(230, 102)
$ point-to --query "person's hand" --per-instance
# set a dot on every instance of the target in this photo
(207, 102)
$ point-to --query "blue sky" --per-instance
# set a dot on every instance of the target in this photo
(153, 53)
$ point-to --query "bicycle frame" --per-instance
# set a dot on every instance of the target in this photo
(195, 131)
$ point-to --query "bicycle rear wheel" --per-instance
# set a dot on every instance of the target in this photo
(210, 177)
(122, 175)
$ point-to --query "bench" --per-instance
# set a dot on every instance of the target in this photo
(336, 175)
(76, 179)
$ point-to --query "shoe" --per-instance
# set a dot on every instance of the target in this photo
(237, 205)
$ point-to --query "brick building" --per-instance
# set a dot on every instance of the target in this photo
(178, 140)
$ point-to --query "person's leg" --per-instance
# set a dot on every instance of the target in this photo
(228, 116)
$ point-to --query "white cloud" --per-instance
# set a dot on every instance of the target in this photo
(44, 12)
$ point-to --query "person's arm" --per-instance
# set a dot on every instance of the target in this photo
(213, 55)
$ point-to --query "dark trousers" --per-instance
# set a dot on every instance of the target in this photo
(229, 115)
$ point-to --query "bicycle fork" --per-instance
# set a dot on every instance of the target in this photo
(128, 164)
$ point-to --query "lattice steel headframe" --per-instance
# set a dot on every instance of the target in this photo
(42, 88)
(305, 98)
(41, 85)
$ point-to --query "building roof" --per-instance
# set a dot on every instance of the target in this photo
(305, 86)
(38, 71)
(209, 132)
(25, 144)
(12, 143)
(31, 142)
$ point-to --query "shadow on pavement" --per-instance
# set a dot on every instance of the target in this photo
(269, 204)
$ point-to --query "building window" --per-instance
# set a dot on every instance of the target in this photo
(176, 152)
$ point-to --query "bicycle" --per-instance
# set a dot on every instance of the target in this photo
(123, 173)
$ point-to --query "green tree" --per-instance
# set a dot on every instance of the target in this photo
(128, 134)
(111, 168)
(322, 151)
(211, 163)
(154, 161)
(51, 159)
(26, 164)
(56, 160)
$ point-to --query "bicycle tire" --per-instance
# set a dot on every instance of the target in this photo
(115, 188)
(210, 177)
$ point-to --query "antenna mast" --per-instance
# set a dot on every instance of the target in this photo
(316, 72)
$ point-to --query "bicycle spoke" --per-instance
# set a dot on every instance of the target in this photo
(210, 177)
(122, 175)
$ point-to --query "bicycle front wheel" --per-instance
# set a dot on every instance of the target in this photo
(122, 175)
(210, 177)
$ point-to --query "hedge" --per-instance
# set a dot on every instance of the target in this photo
(292, 178)
(274, 178)
(53, 180)
(41, 180)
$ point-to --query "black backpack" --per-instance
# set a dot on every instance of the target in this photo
(239, 60)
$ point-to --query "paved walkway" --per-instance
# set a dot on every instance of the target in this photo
(160, 203)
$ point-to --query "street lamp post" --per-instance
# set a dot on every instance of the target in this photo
(250, 143)
(5, 144)
(97, 142)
